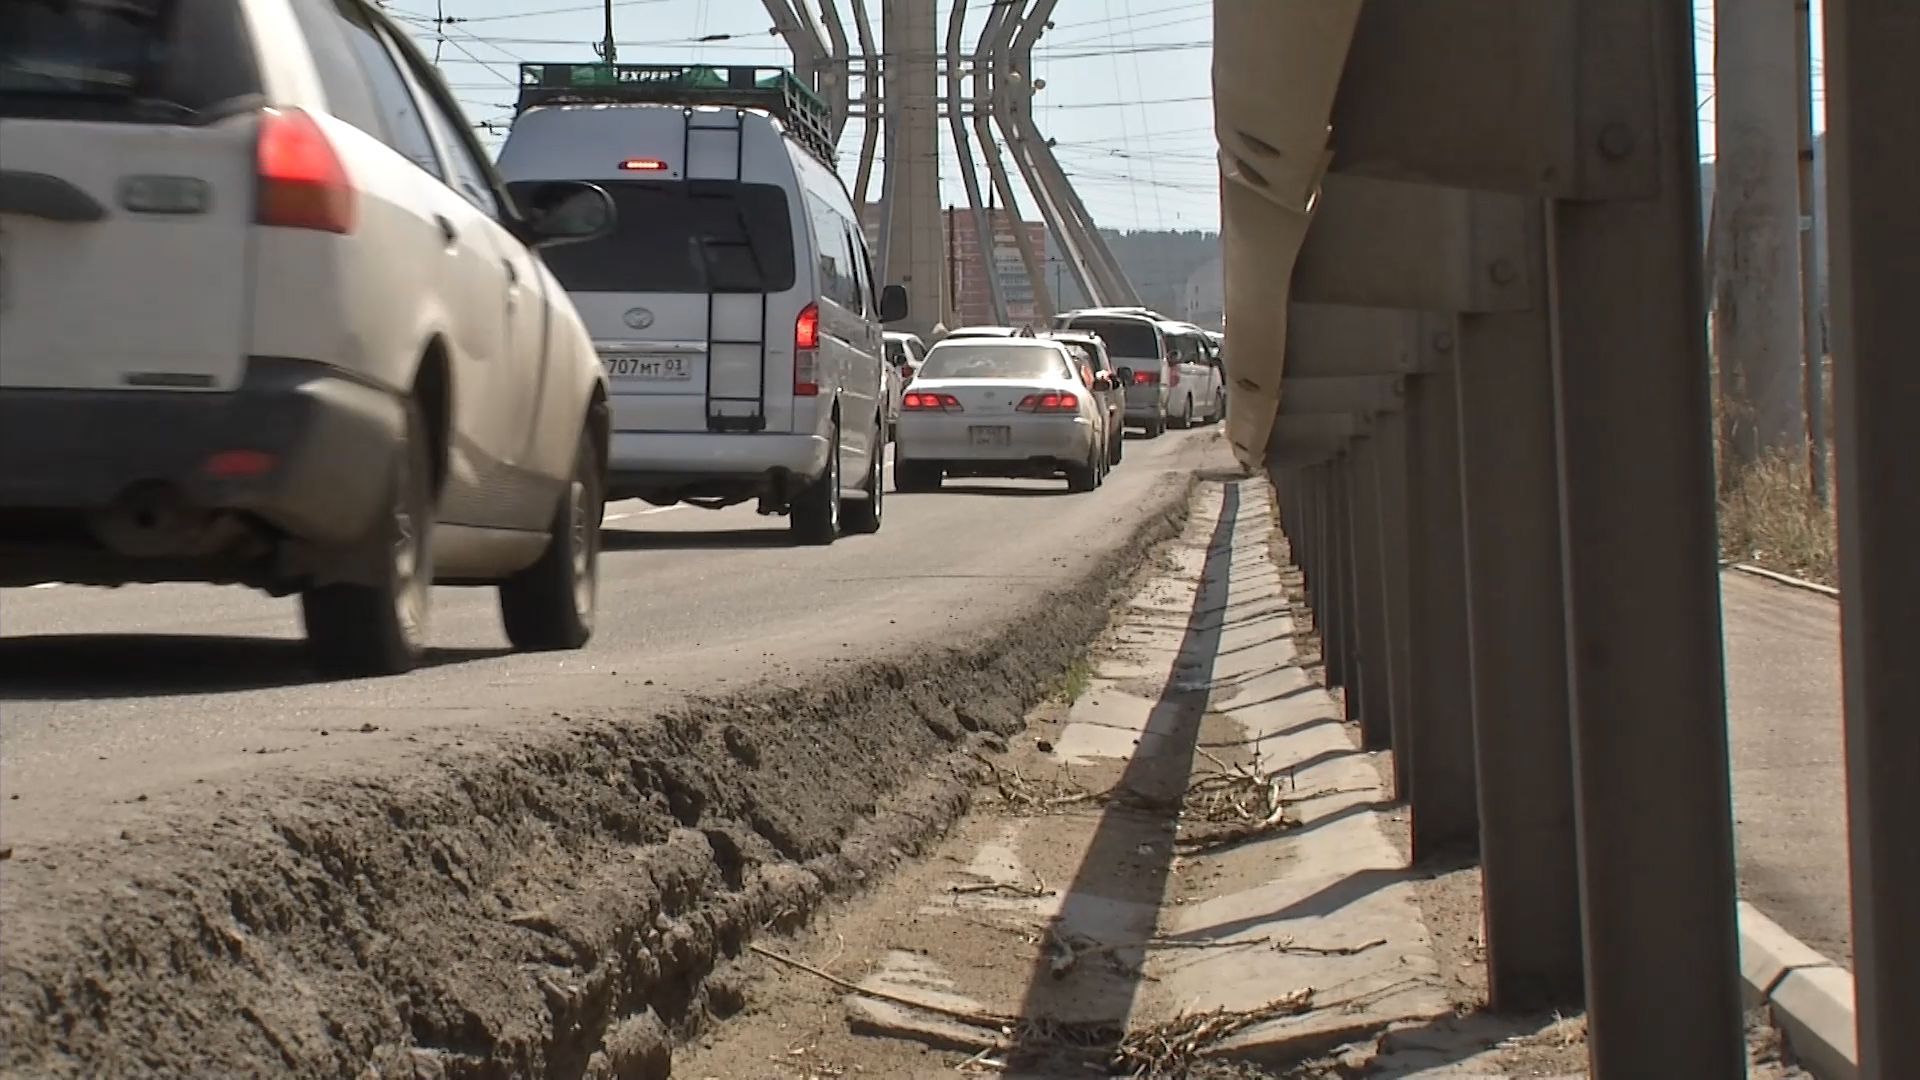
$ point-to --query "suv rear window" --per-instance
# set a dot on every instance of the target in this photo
(156, 60)
(1124, 337)
(684, 237)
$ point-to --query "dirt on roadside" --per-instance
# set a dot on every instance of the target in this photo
(563, 906)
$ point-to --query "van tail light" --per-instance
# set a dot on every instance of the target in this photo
(1173, 374)
(1146, 378)
(919, 401)
(1048, 403)
(806, 355)
(302, 182)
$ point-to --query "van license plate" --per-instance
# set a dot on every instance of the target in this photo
(991, 436)
(648, 368)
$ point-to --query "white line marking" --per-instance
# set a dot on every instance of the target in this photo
(644, 513)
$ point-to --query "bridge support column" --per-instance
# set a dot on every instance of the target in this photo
(1875, 135)
(1345, 591)
(1439, 750)
(1516, 623)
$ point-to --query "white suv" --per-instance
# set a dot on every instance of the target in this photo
(269, 317)
(736, 308)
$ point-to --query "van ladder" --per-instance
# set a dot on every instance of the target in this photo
(736, 318)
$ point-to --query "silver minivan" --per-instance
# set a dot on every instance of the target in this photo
(734, 307)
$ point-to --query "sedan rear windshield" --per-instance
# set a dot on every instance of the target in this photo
(152, 60)
(994, 362)
(684, 237)
(1124, 337)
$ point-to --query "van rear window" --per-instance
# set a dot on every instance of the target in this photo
(684, 237)
(1124, 337)
(153, 60)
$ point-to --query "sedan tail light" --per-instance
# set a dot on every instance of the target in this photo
(302, 182)
(918, 401)
(1048, 403)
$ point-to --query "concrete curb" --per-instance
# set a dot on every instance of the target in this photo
(1788, 580)
(1809, 996)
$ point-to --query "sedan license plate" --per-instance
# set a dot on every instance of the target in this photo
(648, 368)
(991, 436)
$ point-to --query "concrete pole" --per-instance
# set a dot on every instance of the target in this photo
(916, 243)
(1813, 340)
(1439, 751)
(1516, 616)
(1642, 586)
(1757, 316)
(1873, 82)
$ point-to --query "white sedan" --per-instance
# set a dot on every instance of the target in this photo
(1003, 407)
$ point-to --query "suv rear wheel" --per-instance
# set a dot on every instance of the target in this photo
(550, 605)
(815, 517)
(360, 630)
(864, 515)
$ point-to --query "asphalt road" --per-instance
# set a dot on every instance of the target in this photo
(119, 705)
(1789, 758)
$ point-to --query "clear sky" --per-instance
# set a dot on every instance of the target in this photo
(1126, 97)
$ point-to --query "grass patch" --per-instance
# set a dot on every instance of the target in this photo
(1768, 517)
(1076, 680)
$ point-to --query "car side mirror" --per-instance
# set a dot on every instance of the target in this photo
(893, 303)
(1102, 382)
(1125, 376)
(565, 212)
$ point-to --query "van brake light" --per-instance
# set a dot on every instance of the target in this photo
(806, 356)
(302, 182)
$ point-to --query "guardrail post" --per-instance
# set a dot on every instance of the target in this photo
(1397, 549)
(1439, 752)
(1872, 84)
(1637, 501)
(1530, 871)
(1347, 597)
(1374, 676)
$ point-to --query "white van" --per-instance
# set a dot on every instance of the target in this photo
(734, 306)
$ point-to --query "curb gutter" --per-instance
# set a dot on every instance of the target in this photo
(1788, 580)
(1810, 997)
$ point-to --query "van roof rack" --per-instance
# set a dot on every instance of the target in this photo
(772, 89)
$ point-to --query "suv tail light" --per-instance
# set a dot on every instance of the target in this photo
(806, 357)
(302, 182)
(1146, 378)
(1048, 403)
(918, 401)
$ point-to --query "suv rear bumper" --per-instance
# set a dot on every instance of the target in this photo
(94, 483)
(663, 460)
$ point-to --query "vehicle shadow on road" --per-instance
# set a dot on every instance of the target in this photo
(642, 540)
(992, 489)
(81, 667)
(1119, 870)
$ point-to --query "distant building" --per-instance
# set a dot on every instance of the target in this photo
(1205, 302)
(973, 294)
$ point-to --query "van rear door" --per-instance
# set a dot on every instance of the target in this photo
(127, 132)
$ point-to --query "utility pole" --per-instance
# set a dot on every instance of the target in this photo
(607, 51)
(1812, 325)
(1758, 314)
